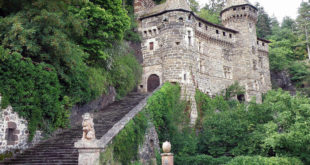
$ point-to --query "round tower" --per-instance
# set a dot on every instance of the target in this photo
(240, 15)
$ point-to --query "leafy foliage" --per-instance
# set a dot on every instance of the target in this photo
(275, 128)
(34, 92)
(258, 160)
(126, 143)
(125, 146)
(70, 46)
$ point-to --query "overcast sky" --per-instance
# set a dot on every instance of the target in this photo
(279, 8)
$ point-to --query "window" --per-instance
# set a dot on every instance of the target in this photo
(180, 19)
(254, 65)
(257, 42)
(155, 31)
(260, 61)
(177, 43)
(235, 9)
(165, 20)
(243, 8)
(230, 35)
(206, 27)
(185, 77)
(150, 32)
(262, 78)
(200, 24)
(253, 50)
(226, 55)
(189, 38)
(217, 32)
(224, 34)
(227, 72)
(145, 33)
(263, 44)
(189, 17)
(10, 136)
(151, 45)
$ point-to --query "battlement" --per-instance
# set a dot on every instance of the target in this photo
(239, 12)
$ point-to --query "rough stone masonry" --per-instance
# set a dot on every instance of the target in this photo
(180, 47)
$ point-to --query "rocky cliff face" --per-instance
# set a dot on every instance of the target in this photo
(282, 80)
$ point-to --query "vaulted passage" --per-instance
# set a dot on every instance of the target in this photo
(153, 82)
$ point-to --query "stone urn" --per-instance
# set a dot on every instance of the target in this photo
(166, 147)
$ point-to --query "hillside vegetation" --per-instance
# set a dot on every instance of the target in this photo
(55, 54)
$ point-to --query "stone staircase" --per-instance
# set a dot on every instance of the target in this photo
(59, 150)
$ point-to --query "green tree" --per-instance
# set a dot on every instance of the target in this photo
(304, 23)
(211, 11)
(194, 5)
(264, 23)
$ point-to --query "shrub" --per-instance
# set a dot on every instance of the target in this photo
(33, 90)
(258, 160)
(201, 160)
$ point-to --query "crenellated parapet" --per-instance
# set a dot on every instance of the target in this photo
(239, 13)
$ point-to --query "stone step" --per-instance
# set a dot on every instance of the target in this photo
(59, 149)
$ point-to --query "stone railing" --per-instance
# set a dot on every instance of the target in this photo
(89, 149)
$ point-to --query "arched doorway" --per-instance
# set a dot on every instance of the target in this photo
(153, 82)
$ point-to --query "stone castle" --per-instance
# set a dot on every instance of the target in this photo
(180, 47)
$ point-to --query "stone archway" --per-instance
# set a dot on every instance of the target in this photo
(153, 82)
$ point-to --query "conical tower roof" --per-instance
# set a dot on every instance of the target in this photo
(169, 5)
(231, 3)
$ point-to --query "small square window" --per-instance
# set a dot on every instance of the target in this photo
(243, 8)
(235, 9)
(151, 45)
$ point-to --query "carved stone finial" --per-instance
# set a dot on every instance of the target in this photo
(88, 127)
(166, 147)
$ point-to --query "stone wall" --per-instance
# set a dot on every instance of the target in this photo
(99, 103)
(147, 151)
(180, 47)
(13, 130)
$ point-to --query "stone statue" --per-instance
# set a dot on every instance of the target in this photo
(88, 127)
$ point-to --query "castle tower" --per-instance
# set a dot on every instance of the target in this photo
(240, 15)
(169, 47)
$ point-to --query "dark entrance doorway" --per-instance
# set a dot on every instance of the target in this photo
(152, 82)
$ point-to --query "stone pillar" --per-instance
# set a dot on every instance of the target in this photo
(89, 152)
(167, 157)
(88, 146)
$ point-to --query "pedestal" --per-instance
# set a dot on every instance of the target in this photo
(89, 152)
(167, 159)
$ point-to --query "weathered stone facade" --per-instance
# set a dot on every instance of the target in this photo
(13, 130)
(180, 47)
